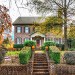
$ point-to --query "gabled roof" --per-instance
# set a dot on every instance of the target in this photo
(27, 20)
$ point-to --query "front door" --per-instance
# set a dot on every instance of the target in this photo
(38, 43)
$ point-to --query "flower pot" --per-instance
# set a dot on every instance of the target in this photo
(33, 47)
(46, 48)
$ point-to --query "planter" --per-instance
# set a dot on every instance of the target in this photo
(33, 47)
(46, 48)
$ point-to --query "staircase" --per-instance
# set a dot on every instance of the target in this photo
(40, 65)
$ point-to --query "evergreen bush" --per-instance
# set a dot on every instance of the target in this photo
(54, 55)
(29, 43)
(18, 45)
(49, 43)
(25, 55)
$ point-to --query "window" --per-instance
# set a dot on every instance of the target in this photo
(60, 40)
(26, 29)
(56, 40)
(19, 40)
(26, 39)
(19, 29)
(47, 39)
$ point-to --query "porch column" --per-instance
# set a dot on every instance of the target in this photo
(44, 39)
(40, 42)
(31, 38)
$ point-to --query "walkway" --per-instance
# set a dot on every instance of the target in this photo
(40, 64)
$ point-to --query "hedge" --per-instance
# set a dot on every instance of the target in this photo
(55, 56)
(48, 43)
(18, 45)
(29, 43)
(25, 55)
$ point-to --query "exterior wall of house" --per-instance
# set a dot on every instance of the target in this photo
(24, 35)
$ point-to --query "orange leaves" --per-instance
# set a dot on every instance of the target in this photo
(5, 20)
(1, 39)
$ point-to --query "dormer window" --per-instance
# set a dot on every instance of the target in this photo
(18, 29)
(26, 29)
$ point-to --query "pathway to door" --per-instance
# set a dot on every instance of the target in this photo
(40, 64)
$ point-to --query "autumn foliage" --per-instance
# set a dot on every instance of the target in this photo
(5, 21)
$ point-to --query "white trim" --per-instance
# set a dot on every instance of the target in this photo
(37, 34)
(40, 42)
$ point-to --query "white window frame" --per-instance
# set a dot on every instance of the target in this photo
(26, 29)
(19, 29)
(19, 40)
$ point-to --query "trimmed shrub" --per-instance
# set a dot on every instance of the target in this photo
(56, 57)
(29, 43)
(43, 47)
(54, 54)
(70, 58)
(18, 45)
(61, 46)
(49, 43)
(25, 55)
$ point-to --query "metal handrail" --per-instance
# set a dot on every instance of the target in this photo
(48, 61)
(32, 62)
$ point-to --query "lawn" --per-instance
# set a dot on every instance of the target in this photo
(9, 53)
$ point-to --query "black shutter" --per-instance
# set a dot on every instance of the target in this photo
(29, 29)
(21, 29)
(15, 29)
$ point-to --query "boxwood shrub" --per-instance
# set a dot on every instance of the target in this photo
(48, 43)
(70, 58)
(29, 43)
(18, 45)
(25, 55)
(55, 56)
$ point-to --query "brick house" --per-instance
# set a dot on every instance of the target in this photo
(24, 30)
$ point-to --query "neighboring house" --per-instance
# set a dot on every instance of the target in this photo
(24, 30)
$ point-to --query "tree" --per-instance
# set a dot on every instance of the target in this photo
(71, 33)
(5, 20)
(51, 24)
(66, 7)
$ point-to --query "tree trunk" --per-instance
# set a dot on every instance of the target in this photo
(65, 25)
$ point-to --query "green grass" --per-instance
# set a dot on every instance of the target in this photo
(9, 53)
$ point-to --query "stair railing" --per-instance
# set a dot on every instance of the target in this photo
(48, 61)
(32, 61)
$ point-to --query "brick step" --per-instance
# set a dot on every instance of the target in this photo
(40, 73)
(40, 70)
(36, 61)
(40, 67)
(40, 60)
(39, 55)
(40, 64)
